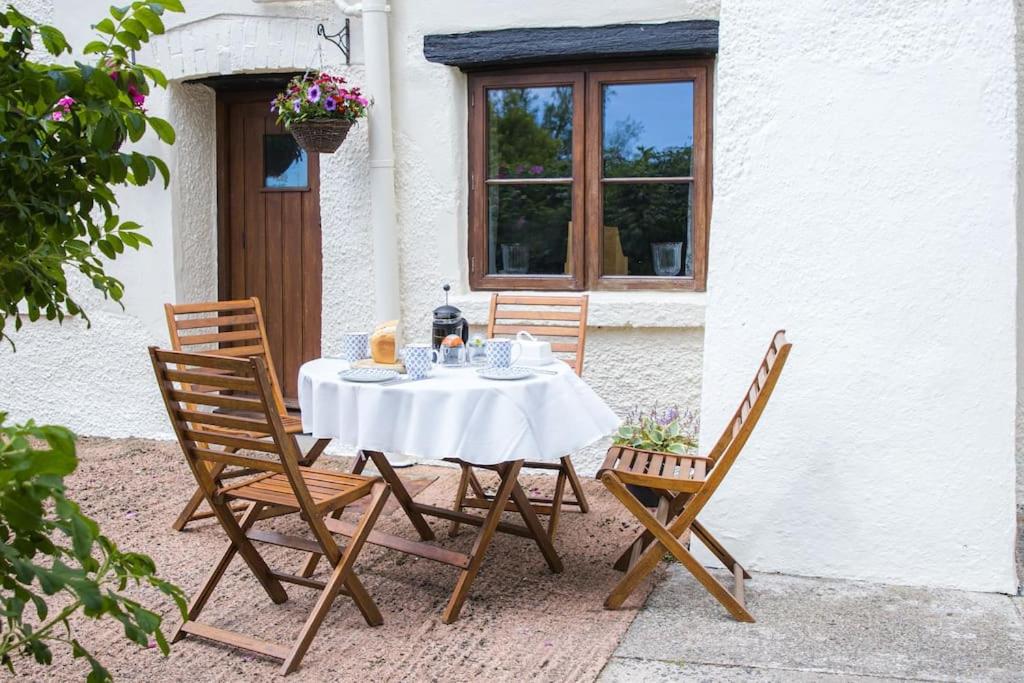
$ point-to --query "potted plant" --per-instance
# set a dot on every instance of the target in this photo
(318, 110)
(657, 430)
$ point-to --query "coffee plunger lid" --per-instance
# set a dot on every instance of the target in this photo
(447, 311)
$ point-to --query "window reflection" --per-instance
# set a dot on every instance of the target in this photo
(529, 132)
(648, 229)
(648, 130)
(528, 229)
(284, 163)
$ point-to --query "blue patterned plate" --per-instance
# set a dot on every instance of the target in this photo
(367, 375)
(505, 373)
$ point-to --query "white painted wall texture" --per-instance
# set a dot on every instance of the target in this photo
(864, 199)
(865, 165)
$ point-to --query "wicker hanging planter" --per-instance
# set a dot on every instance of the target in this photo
(320, 135)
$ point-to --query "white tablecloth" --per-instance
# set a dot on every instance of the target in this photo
(455, 414)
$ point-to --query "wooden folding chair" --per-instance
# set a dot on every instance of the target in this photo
(232, 329)
(561, 320)
(685, 484)
(279, 485)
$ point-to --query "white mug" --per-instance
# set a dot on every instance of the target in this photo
(499, 352)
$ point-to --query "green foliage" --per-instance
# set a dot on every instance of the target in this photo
(61, 131)
(48, 548)
(665, 431)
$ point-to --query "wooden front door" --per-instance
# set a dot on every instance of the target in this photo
(269, 227)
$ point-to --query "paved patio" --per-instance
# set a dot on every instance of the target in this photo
(822, 630)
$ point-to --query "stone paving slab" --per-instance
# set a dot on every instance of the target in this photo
(627, 670)
(821, 629)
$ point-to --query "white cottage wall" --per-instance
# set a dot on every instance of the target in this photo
(865, 157)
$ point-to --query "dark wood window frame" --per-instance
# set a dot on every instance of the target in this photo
(587, 205)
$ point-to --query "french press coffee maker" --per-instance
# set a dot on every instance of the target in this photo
(448, 320)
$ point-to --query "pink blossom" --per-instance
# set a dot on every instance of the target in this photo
(362, 100)
(66, 101)
(57, 115)
(138, 99)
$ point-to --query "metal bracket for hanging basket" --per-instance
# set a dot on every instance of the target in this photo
(341, 39)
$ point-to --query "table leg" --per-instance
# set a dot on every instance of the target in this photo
(529, 516)
(400, 493)
(508, 474)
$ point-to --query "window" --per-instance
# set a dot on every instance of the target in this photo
(284, 163)
(593, 177)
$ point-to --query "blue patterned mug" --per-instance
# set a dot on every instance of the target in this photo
(355, 346)
(499, 352)
(419, 359)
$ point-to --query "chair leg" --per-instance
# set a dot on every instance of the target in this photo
(203, 595)
(717, 549)
(342, 576)
(575, 483)
(666, 540)
(460, 496)
(632, 553)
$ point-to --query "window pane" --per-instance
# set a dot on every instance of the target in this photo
(648, 129)
(284, 162)
(528, 229)
(529, 132)
(648, 229)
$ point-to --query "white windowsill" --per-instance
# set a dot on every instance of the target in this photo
(612, 309)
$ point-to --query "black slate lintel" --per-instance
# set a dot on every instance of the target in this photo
(537, 45)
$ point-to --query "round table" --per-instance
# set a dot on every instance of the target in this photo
(455, 413)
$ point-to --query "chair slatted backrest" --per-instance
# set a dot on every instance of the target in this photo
(234, 329)
(560, 320)
(192, 413)
(742, 423)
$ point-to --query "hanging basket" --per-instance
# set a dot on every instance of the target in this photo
(320, 135)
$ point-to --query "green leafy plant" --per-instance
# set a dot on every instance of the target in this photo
(61, 131)
(666, 431)
(49, 548)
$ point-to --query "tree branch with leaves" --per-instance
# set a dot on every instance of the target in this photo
(62, 130)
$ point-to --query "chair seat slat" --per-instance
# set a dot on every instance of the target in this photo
(242, 424)
(518, 314)
(214, 306)
(222, 439)
(538, 330)
(220, 337)
(211, 380)
(237, 351)
(217, 322)
(517, 300)
(236, 460)
(217, 400)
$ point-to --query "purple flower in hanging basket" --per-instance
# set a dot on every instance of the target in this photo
(330, 104)
(314, 94)
(296, 105)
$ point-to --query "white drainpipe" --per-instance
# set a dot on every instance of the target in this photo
(382, 154)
